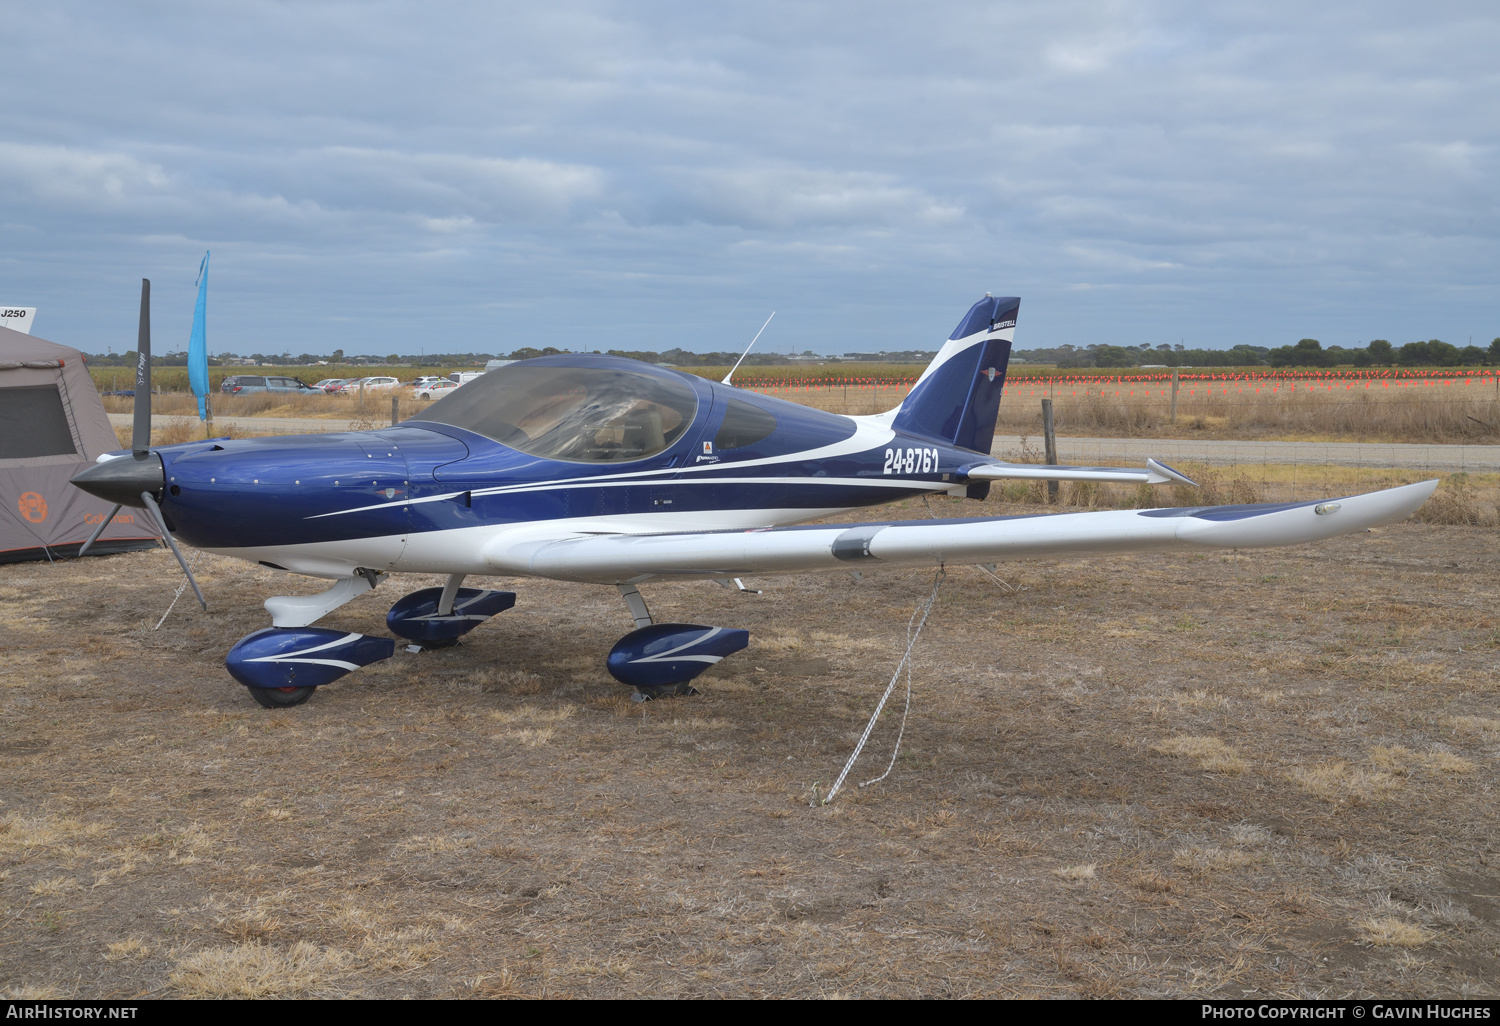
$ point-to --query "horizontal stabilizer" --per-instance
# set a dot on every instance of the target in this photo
(621, 558)
(1153, 473)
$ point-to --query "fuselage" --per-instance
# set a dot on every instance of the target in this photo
(604, 446)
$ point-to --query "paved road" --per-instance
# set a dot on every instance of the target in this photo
(1080, 451)
(1134, 451)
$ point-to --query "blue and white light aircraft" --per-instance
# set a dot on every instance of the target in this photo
(609, 471)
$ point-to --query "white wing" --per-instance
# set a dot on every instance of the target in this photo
(621, 558)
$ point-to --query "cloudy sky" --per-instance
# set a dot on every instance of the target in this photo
(389, 176)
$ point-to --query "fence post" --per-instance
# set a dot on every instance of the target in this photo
(1049, 438)
(395, 409)
(1174, 395)
(208, 422)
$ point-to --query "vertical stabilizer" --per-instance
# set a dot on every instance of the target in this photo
(17, 318)
(957, 398)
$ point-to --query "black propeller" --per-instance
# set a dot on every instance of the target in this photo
(136, 480)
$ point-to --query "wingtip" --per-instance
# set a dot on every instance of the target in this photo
(1167, 473)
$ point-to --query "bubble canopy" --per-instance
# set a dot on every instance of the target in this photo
(594, 409)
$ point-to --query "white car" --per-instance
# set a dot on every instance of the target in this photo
(378, 383)
(434, 389)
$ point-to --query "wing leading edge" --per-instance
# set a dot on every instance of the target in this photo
(622, 558)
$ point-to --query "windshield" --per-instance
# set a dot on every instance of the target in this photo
(592, 414)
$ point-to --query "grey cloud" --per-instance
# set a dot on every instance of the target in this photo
(783, 196)
(1160, 168)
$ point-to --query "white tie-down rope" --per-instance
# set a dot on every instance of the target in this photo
(913, 631)
(180, 589)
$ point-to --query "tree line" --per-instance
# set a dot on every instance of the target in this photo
(1307, 352)
(677, 357)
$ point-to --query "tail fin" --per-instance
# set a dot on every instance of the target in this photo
(957, 398)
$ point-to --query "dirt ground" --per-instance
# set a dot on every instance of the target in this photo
(1190, 775)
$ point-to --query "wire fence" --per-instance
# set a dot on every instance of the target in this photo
(1412, 409)
(1265, 436)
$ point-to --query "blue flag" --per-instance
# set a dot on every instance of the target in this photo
(198, 343)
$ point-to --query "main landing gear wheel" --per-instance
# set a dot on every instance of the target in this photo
(280, 698)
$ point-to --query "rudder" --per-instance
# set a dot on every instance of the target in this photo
(957, 398)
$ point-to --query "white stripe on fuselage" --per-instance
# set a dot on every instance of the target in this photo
(866, 436)
(909, 483)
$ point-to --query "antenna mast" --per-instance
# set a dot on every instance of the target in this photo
(746, 352)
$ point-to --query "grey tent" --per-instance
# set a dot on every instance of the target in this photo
(52, 425)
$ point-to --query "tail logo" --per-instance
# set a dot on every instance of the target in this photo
(989, 372)
(998, 325)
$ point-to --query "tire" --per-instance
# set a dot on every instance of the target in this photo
(280, 698)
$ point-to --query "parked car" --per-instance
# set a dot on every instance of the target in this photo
(246, 384)
(377, 383)
(323, 385)
(427, 379)
(464, 377)
(434, 389)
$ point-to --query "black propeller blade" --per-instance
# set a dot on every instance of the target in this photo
(99, 530)
(122, 480)
(140, 437)
(135, 480)
(166, 536)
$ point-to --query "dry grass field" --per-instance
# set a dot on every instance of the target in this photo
(1455, 413)
(1271, 773)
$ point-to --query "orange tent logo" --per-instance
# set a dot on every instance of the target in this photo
(33, 507)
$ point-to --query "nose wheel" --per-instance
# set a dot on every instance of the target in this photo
(280, 698)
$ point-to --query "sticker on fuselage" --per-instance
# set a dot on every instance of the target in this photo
(910, 461)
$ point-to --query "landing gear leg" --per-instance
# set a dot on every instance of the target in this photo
(637, 605)
(450, 592)
(444, 608)
(304, 610)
